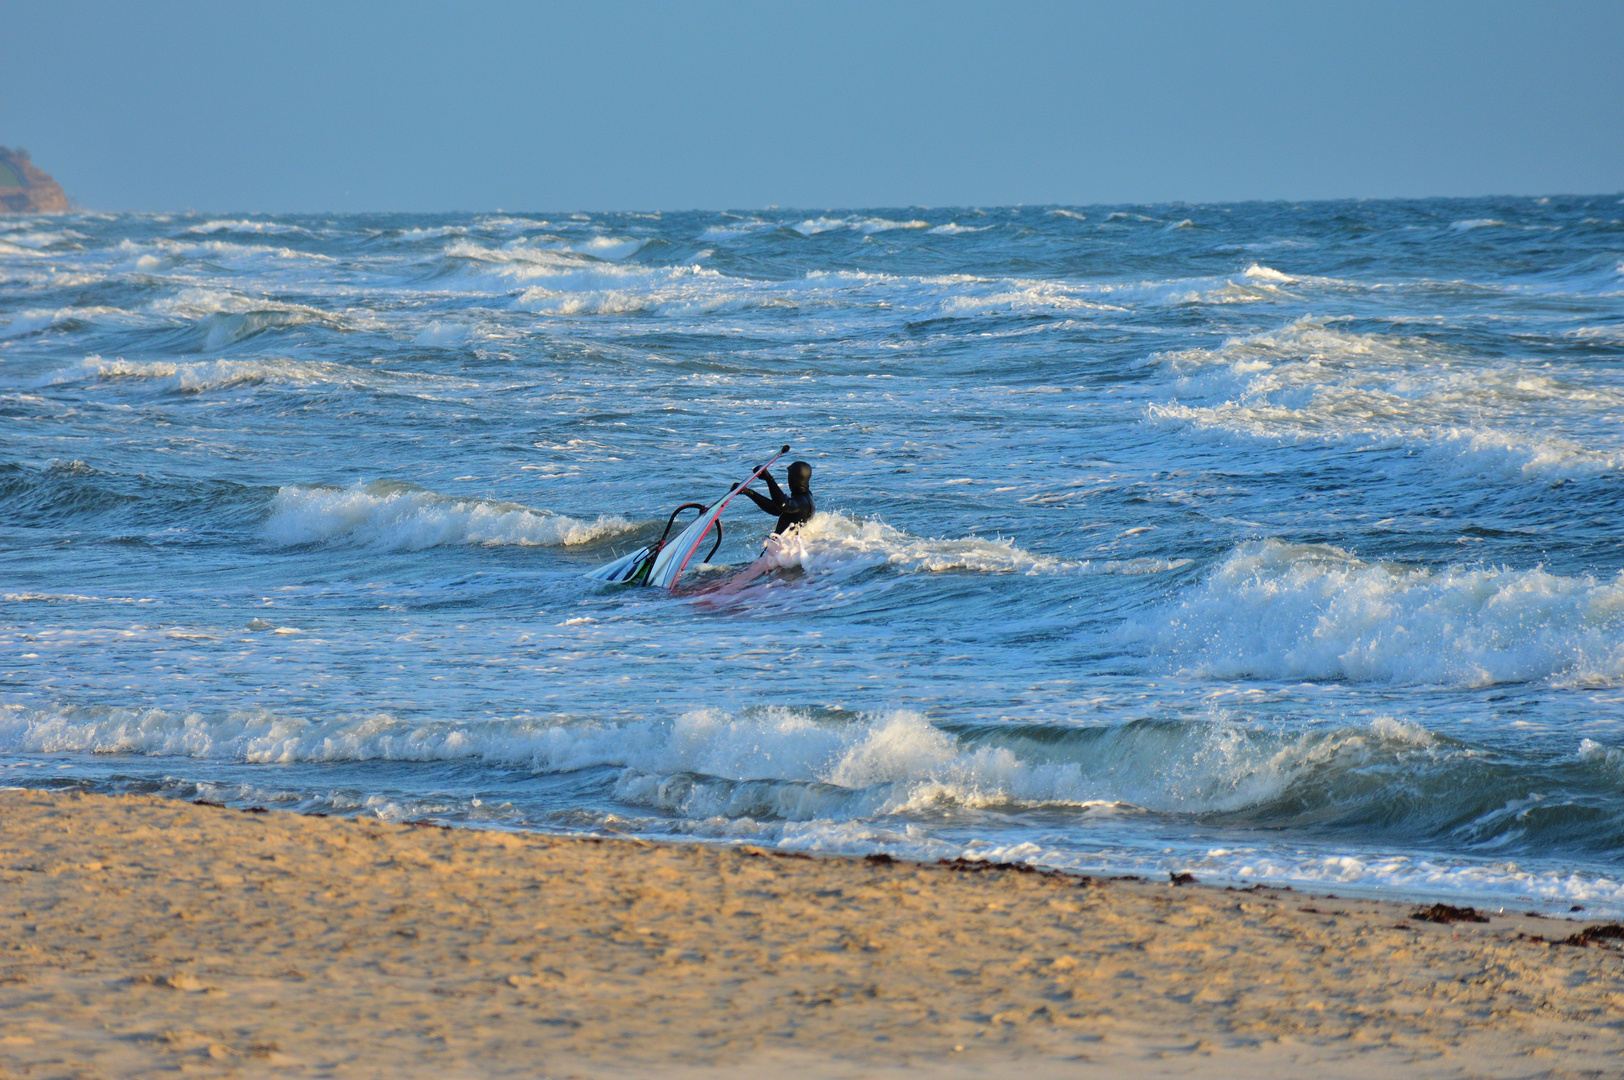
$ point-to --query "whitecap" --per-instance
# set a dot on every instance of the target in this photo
(865, 225)
(1314, 381)
(1274, 610)
(403, 517)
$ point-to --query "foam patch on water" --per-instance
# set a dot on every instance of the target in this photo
(200, 376)
(555, 281)
(246, 225)
(772, 762)
(1259, 272)
(558, 281)
(839, 545)
(1312, 381)
(865, 225)
(1385, 874)
(438, 333)
(733, 230)
(402, 517)
(35, 320)
(820, 781)
(1289, 611)
(154, 255)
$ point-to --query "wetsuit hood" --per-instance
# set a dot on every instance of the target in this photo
(800, 477)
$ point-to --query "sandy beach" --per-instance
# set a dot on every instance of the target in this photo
(140, 936)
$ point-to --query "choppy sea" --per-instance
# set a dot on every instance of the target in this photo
(1267, 542)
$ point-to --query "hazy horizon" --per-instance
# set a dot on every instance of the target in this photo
(633, 107)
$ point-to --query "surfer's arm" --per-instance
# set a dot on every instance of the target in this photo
(768, 506)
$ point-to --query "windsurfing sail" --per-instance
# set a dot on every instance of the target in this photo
(628, 568)
(661, 564)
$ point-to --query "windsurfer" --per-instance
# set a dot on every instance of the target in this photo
(793, 509)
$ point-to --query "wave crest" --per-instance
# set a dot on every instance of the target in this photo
(1311, 381)
(788, 764)
(403, 517)
(1289, 611)
(835, 544)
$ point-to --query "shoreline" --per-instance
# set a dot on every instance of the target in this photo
(139, 934)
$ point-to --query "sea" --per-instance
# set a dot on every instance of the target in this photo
(1265, 542)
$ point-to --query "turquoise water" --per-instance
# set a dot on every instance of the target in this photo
(1263, 541)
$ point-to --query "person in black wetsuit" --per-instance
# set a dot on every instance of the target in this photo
(794, 508)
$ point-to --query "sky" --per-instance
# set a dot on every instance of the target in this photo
(611, 105)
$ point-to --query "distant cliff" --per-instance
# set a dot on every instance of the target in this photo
(25, 188)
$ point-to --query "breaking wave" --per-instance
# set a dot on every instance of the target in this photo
(204, 375)
(1287, 611)
(865, 225)
(403, 517)
(836, 544)
(1313, 382)
(777, 762)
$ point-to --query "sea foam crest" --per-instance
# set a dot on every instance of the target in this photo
(563, 282)
(865, 225)
(34, 320)
(837, 544)
(246, 225)
(1292, 611)
(403, 517)
(199, 376)
(778, 762)
(1312, 381)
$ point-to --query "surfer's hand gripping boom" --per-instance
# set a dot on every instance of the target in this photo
(759, 469)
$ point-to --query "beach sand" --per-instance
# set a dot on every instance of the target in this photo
(140, 936)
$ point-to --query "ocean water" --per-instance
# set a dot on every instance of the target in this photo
(1267, 542)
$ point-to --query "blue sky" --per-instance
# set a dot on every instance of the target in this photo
(403, 106)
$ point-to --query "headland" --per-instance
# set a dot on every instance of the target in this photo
(25, 188)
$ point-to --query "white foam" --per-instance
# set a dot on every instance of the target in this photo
(150, 255)
(1074, 215)
(803, 766)
(549, 251)
(735, 230)
(59, 598)
(953, 228)
(402, 517)
(199, 376)
(244, 225)
(442, 334)
(1476, 223)
(1389, 873)
(562, 282)
(606, 247)
(1018, 296)
(1311, 381)
(1286, 611)
(833, 543)
(37, 241)
(33, 320)
(1599, 753)
(1259, 272)
(865, 225)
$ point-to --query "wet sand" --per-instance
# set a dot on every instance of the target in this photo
(141, 936)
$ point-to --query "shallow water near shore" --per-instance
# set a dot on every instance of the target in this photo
(1262, 541)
